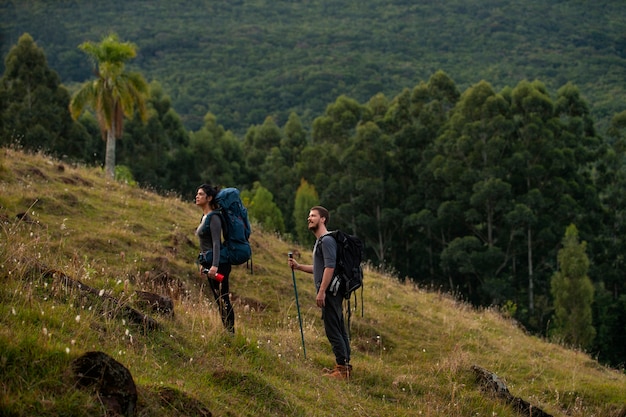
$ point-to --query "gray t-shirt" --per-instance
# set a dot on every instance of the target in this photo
(324, 256)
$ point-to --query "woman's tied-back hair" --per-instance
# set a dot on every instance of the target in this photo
(323, 212)
(210, 191)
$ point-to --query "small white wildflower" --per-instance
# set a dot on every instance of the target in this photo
(101, 293)
(73, 342)
(77, 318)
(45, 331)
(67, 350)
(126, 332)
(190, 360)
(13, 311)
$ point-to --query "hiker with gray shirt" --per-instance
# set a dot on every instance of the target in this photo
(323, 268)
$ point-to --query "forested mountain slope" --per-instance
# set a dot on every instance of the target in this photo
(245, 60)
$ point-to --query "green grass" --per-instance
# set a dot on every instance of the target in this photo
(413, 349)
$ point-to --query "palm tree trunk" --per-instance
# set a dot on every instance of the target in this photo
(109, 159)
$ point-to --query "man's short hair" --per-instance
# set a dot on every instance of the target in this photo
(323, 212)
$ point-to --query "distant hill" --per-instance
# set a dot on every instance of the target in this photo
(243, 60)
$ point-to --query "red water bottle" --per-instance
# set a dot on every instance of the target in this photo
(219, 277)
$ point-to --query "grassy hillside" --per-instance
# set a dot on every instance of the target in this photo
(245, 60)
(413, 350)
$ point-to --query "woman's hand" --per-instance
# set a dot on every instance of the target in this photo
(212, 272)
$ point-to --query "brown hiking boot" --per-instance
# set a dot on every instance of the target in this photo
(339, 372)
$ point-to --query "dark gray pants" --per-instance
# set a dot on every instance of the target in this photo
(334, 325)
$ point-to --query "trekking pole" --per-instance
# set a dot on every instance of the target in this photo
(295, 290)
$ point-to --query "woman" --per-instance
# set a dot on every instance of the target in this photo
(209, 232)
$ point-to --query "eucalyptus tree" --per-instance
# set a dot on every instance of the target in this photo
(330, 133)
(608, 247)
(415, 119)
(279, 173)
(555, 150)
(270, 155)
(215, 156)
(258, 142)
(611, 180)
(365, 192)
(114, 94)
(534, 147)
(294, 139)
(280, 178)
(468, 162)
(338, 124)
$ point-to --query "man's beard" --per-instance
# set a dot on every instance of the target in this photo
(313, 227)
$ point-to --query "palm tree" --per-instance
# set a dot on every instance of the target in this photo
(113, 94)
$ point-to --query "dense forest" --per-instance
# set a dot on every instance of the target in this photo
(246, 59)
(505, 195)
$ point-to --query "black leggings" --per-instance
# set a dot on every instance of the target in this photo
(221, 292)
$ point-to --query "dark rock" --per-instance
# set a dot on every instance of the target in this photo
(493, 384)
(110, 380)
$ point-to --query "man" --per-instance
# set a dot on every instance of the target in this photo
(331, 303)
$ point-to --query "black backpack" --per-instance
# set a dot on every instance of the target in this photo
(348, 266)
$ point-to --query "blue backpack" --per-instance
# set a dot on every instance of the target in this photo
(236, 248)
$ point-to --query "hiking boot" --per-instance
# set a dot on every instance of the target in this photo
(339, 372)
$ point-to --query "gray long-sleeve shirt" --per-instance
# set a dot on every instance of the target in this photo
(209, 233)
